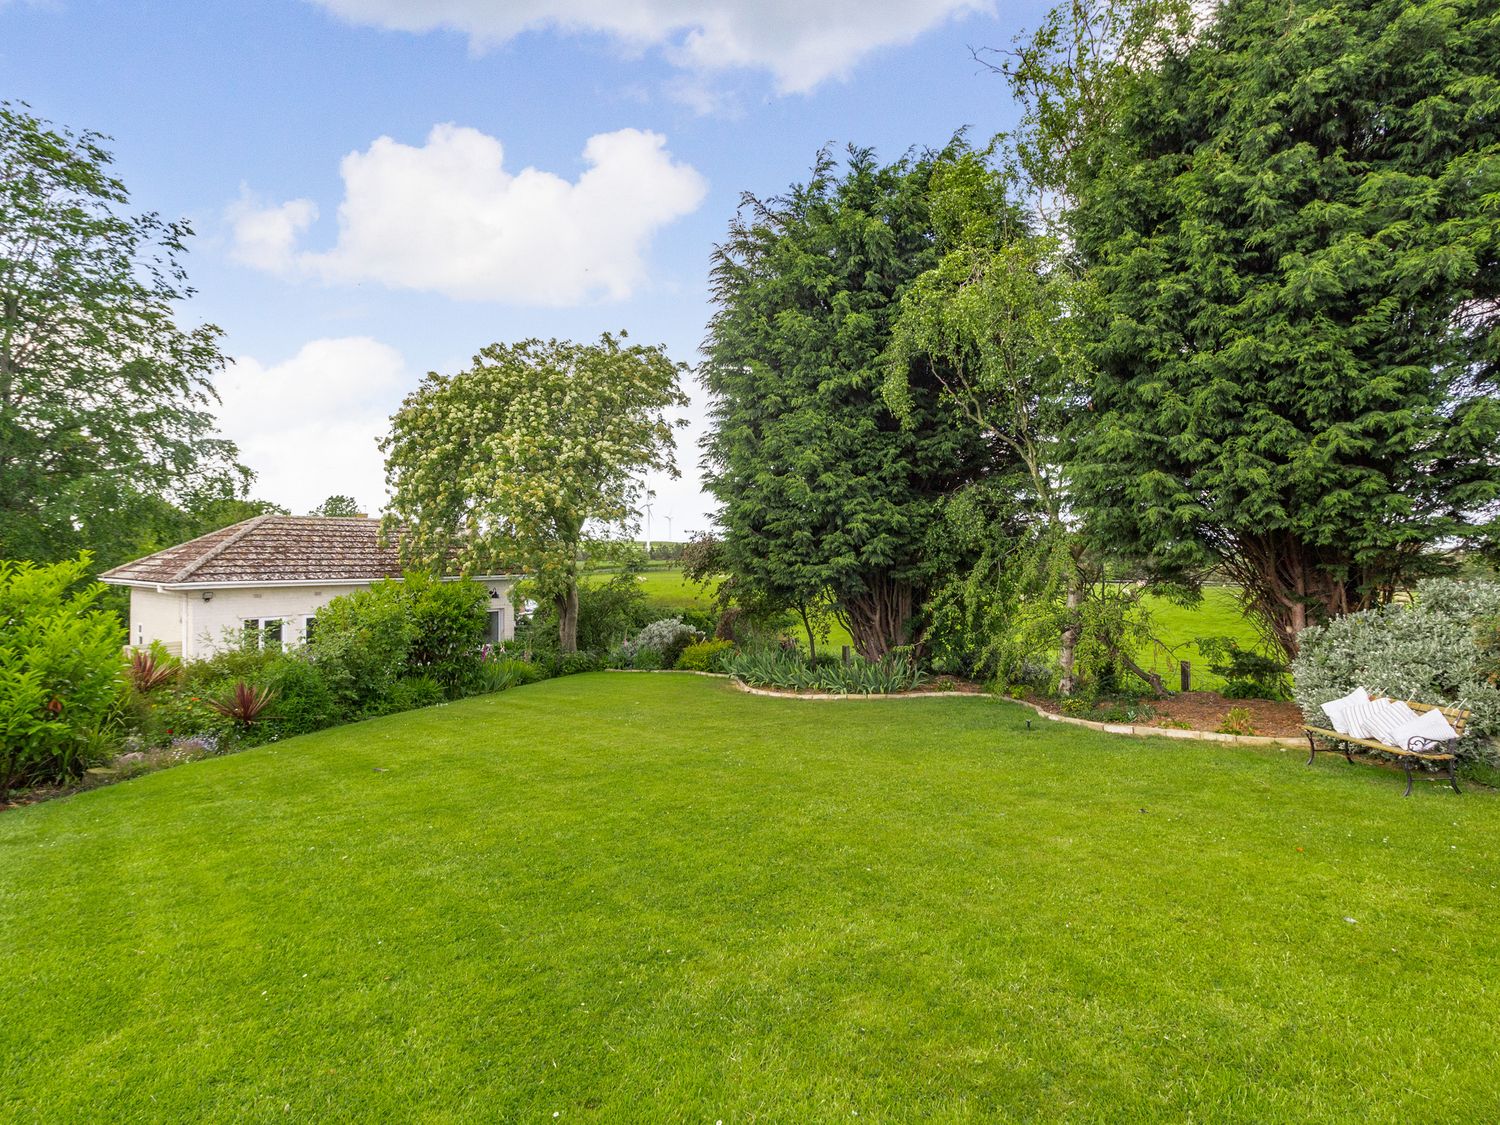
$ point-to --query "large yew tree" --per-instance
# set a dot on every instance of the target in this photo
(1294, 221)
(823, 494)
(531, 459)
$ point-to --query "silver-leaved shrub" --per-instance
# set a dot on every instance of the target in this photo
(666, 639)
(1428, 649)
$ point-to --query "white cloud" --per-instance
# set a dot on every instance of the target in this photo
(448, 217)
(266, 236)
(801, 43)
(308, 425)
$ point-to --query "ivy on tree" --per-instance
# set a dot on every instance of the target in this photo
(531, 459)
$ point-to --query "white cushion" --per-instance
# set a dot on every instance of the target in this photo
(1362, 719)
(1389, 716)
(1429, 724)
(1335, 708)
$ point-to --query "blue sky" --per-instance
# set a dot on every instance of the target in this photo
(240, 116)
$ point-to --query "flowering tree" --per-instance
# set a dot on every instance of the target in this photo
(531, 456)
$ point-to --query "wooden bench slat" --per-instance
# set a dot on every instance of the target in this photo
(1335, 736)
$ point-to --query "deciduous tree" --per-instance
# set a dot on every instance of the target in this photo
(106, 402)
(530, 457)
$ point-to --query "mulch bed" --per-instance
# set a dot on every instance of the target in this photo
(1207, 710)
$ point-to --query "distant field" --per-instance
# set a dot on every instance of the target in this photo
(1177, 628)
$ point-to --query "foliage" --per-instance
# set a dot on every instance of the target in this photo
(1290, 222)
(244, 703)
(575, 663)
(61, 672)
(411, 692)
(641, 659)
(304, 699)
(531, 456)
(1238, 720)
(789, 670)
(1247, 674)
(705, 656)
(667, 638)
(106, 404)
(1428, 650)
(448, 620)
(824, 497)
(368, 641)
(607, 612)
(152, 667)
(337, 505)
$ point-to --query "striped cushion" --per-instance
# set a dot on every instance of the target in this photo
(1360, 717)
(1388, 717)
(1337, 709)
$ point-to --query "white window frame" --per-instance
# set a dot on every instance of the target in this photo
(260, 629)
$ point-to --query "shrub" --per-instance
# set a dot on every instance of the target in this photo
(243, 704)
(607, 611)
(61, 672)
(667, 638)
(1431, 650)
(704, 656)
(646, 660)
(304, 700)
(1247, 674)
(448, 624)
(576, 662)
(368, 641)
(411, 692)
(151, 668)
(1238, 721)
(789, 670)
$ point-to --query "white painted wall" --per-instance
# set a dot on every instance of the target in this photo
(157, 616)
(190, 625)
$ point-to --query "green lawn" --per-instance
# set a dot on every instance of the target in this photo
(633, 897)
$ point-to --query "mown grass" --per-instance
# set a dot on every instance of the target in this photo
(635, 897)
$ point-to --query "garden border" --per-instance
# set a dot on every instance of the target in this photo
(1168, 732)
(1108, 728)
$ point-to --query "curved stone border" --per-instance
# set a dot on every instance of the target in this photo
(1169, 732)
(772, 693)
(1107, 728)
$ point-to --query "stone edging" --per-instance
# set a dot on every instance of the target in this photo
(1169, 732)
(1107, 728)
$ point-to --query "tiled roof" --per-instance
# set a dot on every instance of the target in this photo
(270, 549)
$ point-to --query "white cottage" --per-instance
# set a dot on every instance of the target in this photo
(268, 576)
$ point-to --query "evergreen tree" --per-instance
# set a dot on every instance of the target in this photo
(824, 496)
(1294, 223)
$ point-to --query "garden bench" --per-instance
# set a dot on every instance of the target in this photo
(1416, 751)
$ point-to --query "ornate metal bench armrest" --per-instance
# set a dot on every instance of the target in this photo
(1420, 745)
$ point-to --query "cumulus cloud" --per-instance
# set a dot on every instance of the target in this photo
(448, 217)
(308, 424)
(800, 43)
(266, 236)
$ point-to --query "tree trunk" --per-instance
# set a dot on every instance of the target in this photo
(1289, 585)
(880, 618)
(812, 644)
(1067, 652)
(567, 619)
